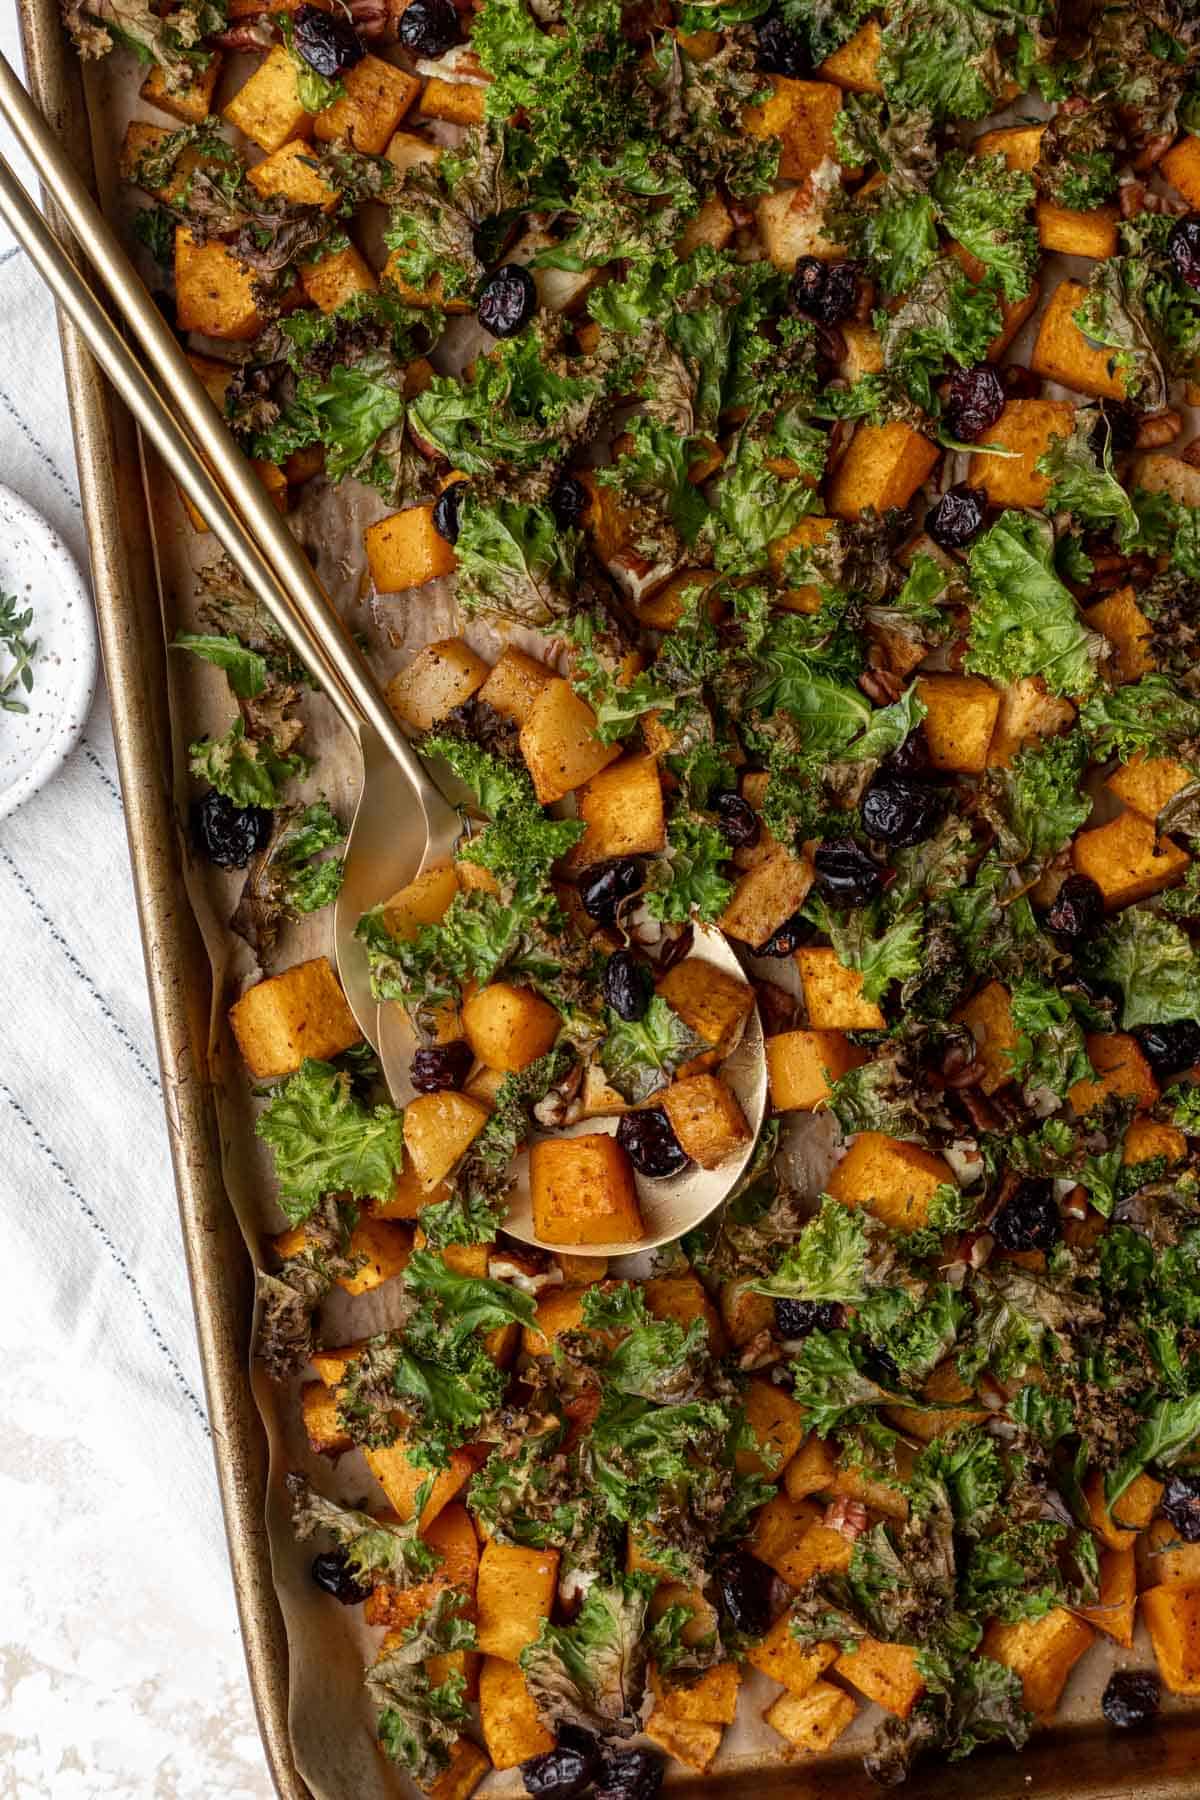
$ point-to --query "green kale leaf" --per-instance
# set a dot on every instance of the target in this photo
(592, 1673)
(639, 1056)
(1023, 621)
(514, 562)
(694, 887)
(420, 1721)
(249, 771)
(324, 1141)
(1155, 966)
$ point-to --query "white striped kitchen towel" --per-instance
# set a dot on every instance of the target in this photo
(121, 1669)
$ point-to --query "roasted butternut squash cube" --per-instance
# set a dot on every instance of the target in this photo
(622, 808)
(458, 102)
(864, 351)
(711, 227)
(581, 1268)
(452, 1536)
(776, 1424)
(960, 715)
(318, 1409)
(1167, 1560)
(267, 108)
(512, 1730)
(1118, 1527)
(560, 745)
(1120, 1069)
(884, 465)
(706, 1118)
(804, 535)
(1063, 354)
(1181, 167)
(1042, 1652)
(681, 1298)
(406, 550)
(300, 1013)
(892, 1179)
(331, 1363)
(1070, 233)
(800, 114)
(779, 1529)
(508, 1027)
(803, 1065)
(191, 101)
(713, 1003)
(384, 1248)
(988, 1017)
(1027, 715)
(1028, 427)
(1147, 782)
(514, 684)
(663, 609)
(885, 1673)
(407, 150)
(214, 292)
(1019, 145)
(709, 1699)
(1114, 1611)
(438, 679)
(142, 139)
(514, 1593)
(745, 1313)
(467, 1768)
(404, 1481)
(813, 1469)
(334, 279)
(855, 64)
(557, 1310)
(438, 1129)
(1172, 1616)
(785, 1659)
(289, 173)
(945, 1386)
(833, 994)
(791, 225)
(689, 1742)
(765, 896)
(812, 1722)
(1145, 1140)
(376, 99)
(1120, 619)
(1127, 860)
(583, 1191)
(423, 901)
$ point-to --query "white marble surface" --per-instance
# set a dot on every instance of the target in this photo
(121, 1670)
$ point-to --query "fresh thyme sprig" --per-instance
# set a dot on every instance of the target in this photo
(13, 627)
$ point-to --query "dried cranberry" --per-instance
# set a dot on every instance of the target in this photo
(649, 1141)
(956, 516)
(744, 1586)
(508, 301)
(332, 1572)
(328, 42)
(1131, 1699)
(845, 873)
(1116, 428)
(227, 834)
(568, 501)
(629, 1775)
(782, 51)
(796, 1318)
(911, 758)
(1181, 1505)
(739, 823)
(1170, 1048)
(628, 985)
(1183, 248)
(443, 1066)
(429, 27)
(825, 291)
(604, 887)
(786, 938)
(446, 509)
(899, 811)
(1078, 907)
(1029, 1219)
(974, 403)
(566, 1771)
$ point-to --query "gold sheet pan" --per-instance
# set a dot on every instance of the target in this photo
(1081, 1759)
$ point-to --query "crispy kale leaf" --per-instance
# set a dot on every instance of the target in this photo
(375, 1550)
(639, 1056)
(325, 1141)
(250, 771)
(419, 1721)
(1023, 621)
(1154, 964)
(592, 1673)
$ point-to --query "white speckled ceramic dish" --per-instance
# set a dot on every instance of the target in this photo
(37, 567)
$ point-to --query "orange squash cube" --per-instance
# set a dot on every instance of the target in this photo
(1127, 860)
(892, 1179)
(300, 1013)
(803, 1065)
(583, 1191)
(833, 994)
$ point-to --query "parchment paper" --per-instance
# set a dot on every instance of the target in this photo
(331, 1722)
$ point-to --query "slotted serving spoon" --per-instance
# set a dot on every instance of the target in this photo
(402, 823)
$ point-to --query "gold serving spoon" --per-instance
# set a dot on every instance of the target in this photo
(402, 823)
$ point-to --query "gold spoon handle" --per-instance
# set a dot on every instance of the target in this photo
(203, 457)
